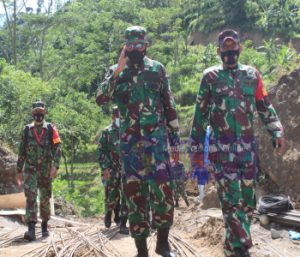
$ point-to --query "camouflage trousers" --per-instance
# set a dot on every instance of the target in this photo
(159, 195)
(114, 195)
(148, 186)
(236, 192)
(123, 207)
(179, 190)
(37, 178)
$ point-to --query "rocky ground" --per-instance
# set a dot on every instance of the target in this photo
(8, 171)
(284, 171)
(196, 232)
(204, 229)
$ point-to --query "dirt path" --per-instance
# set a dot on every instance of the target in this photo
(90, 240)
(196, 233)
(204, 229)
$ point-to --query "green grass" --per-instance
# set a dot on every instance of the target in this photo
(87, 194)
(80, 166)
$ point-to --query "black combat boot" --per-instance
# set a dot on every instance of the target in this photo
(176, 203)
(123, 229)
(162, 245)
(141, 246)
(186, 202)
(30, 234)
(45, 232)
(241, 252)
(117, 219)
(107, 219)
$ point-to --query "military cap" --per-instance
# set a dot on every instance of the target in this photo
(135, 34)
(228, 34)
(38, 107)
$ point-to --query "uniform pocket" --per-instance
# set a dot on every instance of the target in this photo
(152, 104)
(248, 99)
(123, 92)
(152, 89)
(221, 94)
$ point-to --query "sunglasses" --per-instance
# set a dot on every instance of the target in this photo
(138, 46)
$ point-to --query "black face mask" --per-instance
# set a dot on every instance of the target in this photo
(39, 117)
(136, 57)
(230, 57)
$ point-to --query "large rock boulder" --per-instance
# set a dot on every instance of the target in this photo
(284, 171)
(8, 170)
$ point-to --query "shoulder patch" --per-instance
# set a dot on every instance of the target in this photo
(55, 136)
(30, 125)
(251, 72)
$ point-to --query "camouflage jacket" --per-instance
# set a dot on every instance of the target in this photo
(177, 171)
(109, 148)
(37, 147)
(227, 100)
(144, 98)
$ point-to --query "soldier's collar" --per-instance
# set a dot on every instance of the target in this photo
(239, 66)
(148, 63)
(129, 65)
(31, 125)
(44, 125)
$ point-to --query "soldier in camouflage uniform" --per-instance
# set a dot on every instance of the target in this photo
(228, 97)
(39, 155)
(140, 88)
(179, 177)
(109, 160)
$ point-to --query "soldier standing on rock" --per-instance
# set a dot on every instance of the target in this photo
(39, 155)
(109, 160)
(140, 88)
(228, 97)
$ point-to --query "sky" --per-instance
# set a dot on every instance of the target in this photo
(31, 3)
(22, 4)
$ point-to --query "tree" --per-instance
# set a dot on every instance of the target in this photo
(204, 16)
(11, 20)
(234, 12)
(281, 18)
(18, 91)
(77, 120)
